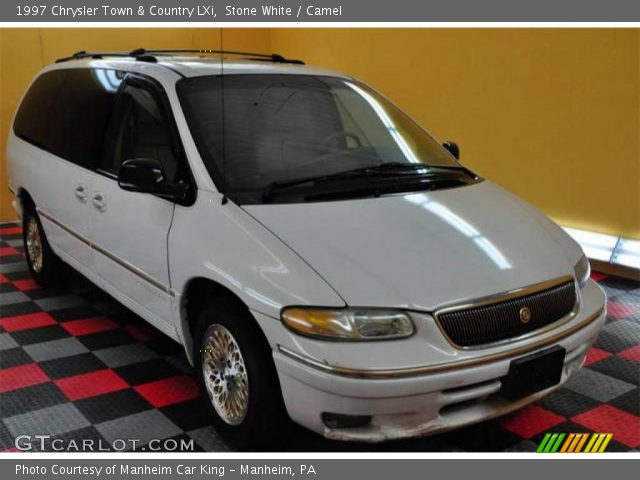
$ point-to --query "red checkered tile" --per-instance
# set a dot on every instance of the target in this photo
(91, 384)
(598, 277)
(7, 251)
(10, 230)
(620, 310)
(632, 353)
(27, 322)
(595, 355)
(530, 421)
(87, 326)
(21, 377)
(169, 391)
(606, 418)
(26, 285)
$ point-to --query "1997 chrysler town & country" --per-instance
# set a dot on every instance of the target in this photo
(317, 253)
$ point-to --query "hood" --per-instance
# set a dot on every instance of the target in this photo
(421, 250)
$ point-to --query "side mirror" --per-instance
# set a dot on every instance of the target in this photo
(452, 148)
(146, 175)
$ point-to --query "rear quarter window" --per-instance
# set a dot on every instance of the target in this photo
(66, 112)
(33, 119)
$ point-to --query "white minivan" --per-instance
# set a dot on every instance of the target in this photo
(319, 255)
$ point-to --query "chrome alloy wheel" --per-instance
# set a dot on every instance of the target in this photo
(34, 245)
(225, 374)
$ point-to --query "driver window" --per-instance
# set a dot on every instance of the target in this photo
(141, 131)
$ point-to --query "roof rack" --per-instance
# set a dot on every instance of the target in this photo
(144, 55)
(272, 57)
(83, 54)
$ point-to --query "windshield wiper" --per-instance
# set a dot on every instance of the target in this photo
(273, 187)
(270, 190)
(382, 169)
(397, 167)
(404, 166)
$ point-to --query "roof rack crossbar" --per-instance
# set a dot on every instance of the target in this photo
(142, 54)
(274, 57)
(83, 54)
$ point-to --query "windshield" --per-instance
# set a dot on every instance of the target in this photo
(255, 131)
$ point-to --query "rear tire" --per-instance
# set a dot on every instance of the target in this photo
(237, 377)
(46, 268)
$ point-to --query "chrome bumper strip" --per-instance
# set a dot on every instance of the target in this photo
(439, 367)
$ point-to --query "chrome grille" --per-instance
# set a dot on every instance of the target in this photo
(495, 322)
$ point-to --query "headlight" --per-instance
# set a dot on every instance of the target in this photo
(582, 271)
(350, 324)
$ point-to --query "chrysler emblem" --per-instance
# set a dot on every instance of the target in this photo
(525, 315)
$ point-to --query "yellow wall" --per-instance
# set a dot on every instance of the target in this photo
(551, 114)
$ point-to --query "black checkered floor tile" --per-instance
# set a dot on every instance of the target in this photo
(76, 365)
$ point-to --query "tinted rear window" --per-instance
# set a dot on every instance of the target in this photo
(32, 121)
(66, 112)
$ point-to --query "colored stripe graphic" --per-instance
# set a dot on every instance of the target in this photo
(574, 442)
(605, 442)
(543, 443)
(550, 443)
(568, 442)
(600, 443)
(581, 443)
(591, 443)
(556, 446)
(596, 446)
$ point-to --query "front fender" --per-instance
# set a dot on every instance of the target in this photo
(223, 243)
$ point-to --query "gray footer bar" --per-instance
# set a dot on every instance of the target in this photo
(542, 467)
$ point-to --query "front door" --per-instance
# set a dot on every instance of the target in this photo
(131, 229)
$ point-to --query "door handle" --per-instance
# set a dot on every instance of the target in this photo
(99, 202)
(81, 193)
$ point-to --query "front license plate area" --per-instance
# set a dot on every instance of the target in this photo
(533, 373)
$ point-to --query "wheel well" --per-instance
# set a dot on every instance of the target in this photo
(194, 298)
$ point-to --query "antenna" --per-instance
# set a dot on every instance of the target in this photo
(224, 139)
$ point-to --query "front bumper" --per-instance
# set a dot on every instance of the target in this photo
(453, 389)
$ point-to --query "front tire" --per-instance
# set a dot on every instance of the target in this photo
(237, 376)
(45, 266)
